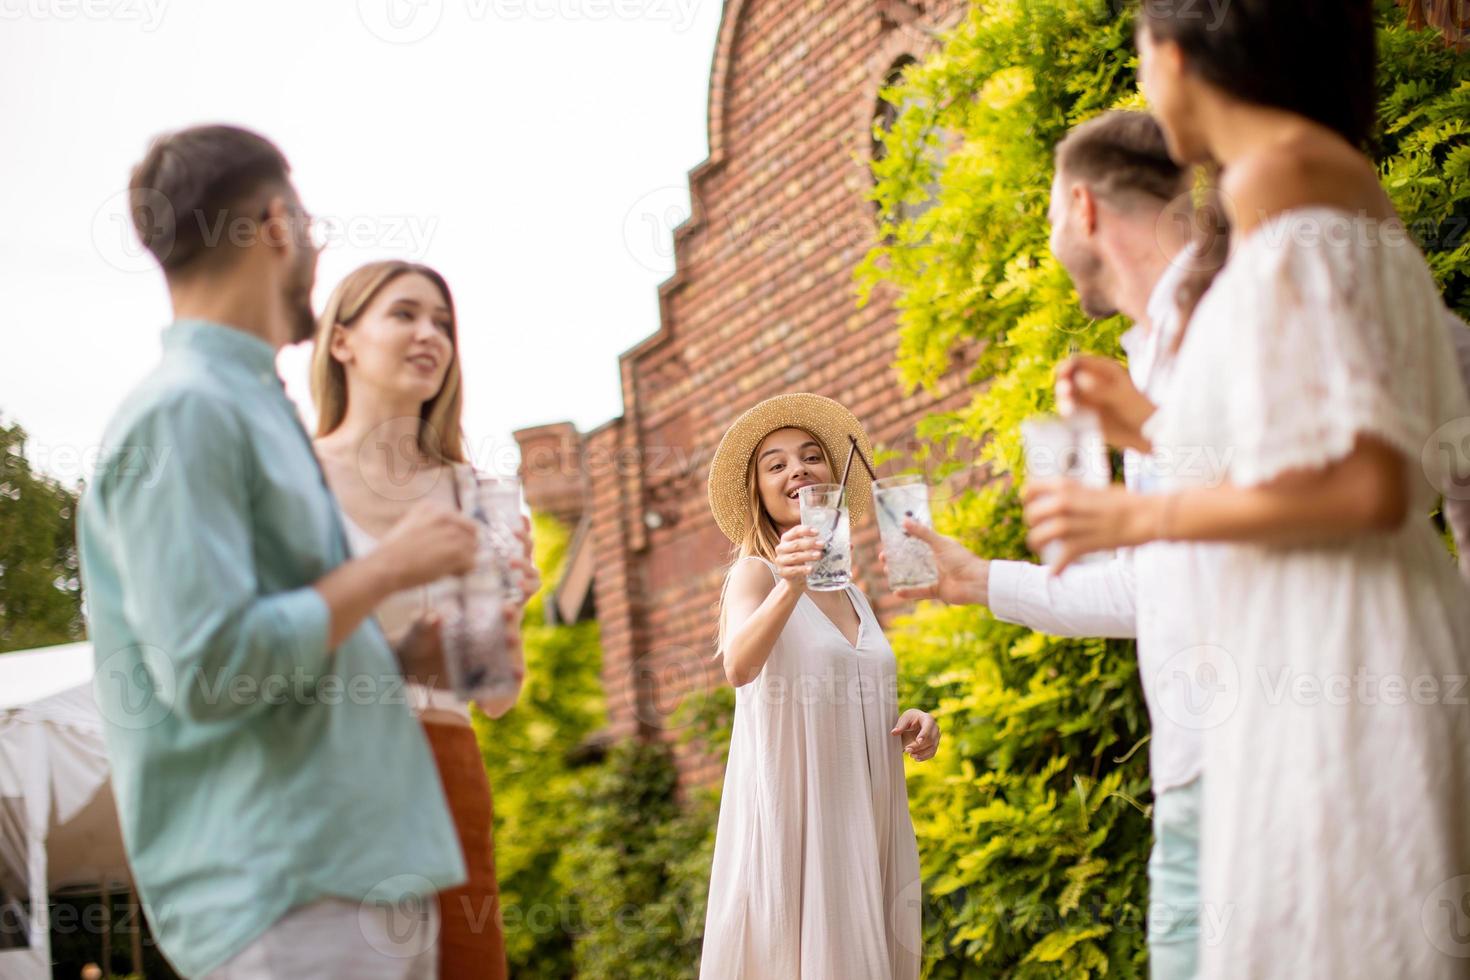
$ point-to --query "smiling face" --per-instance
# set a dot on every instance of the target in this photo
(402, 343)
(785, 461)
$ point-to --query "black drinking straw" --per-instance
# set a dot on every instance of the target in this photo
(852, 449)
(866, 465)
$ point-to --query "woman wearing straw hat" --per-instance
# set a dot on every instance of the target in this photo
(816, 870)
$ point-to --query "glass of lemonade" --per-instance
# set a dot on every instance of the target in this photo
(497, 507)
(823, 509)
(911, 562)
(481, 666)
(1069, 447)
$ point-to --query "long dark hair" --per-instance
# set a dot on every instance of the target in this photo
(1317, 58)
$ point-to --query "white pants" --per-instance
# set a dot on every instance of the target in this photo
(340, 940)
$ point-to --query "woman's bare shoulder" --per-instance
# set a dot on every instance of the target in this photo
(1302, 174)
(752, 574)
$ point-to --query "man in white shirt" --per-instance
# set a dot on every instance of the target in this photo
(1122, 219)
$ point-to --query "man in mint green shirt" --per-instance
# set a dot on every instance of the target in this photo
(282, 813)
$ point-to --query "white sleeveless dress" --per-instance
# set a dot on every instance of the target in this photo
(816, 869)
(1336, 828)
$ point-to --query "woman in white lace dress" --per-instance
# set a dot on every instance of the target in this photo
(816, 869)
(1305, 430)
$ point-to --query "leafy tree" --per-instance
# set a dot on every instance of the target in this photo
(40, 586)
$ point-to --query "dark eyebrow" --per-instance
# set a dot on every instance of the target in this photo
(440, 308)
(777, 450)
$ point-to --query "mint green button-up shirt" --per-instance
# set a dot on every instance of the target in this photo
(255, 769)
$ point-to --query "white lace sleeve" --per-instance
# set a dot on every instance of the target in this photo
(1321, 338)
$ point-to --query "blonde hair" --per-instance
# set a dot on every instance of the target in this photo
(440, 436)
(761, 534)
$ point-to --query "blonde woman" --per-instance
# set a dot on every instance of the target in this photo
(816, 870)
(386, 381)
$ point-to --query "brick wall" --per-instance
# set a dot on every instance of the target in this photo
(762, 303)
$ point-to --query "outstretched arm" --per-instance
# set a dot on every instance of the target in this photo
(1364, 492)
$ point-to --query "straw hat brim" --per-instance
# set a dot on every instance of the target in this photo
(828, 421)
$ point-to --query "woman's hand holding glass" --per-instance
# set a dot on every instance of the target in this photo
(796, 554)
(1082, 519)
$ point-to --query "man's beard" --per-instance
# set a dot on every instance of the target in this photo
(1095, 304)
(1091, 295)
(303, 323)
(297, 300)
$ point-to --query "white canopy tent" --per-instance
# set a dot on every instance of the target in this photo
(58, 821)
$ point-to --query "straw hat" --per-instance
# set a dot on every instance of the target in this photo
(824, 418)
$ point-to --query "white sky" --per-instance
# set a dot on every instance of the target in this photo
(534, 151)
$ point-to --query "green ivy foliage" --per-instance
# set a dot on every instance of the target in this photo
(1424, 147)
(1033, 820)
(531, 758)
(639, 868)
(603, 867)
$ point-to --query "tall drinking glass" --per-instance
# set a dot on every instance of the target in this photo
(1069, 447)
(481, 667)
(911, 563)
(823, 509)
(497, 507)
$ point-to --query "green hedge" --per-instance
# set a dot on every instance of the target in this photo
(1032, 822)
(530, 758)
(603, 869)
